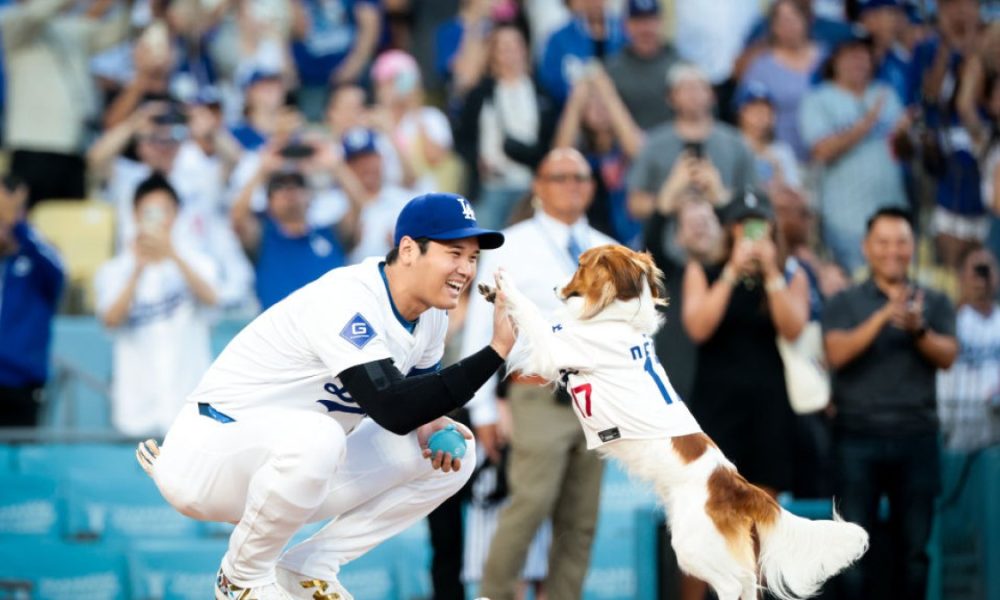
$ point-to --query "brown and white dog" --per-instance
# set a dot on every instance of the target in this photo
(725, 531)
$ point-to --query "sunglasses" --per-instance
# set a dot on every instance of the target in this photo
(567, 177)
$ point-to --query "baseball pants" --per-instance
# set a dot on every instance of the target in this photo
(274, 469)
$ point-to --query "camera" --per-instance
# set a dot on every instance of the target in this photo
(297, 150)
(695, 149)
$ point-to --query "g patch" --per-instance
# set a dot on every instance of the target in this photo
(358, 331)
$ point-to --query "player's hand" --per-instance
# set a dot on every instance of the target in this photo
(442, 460)
(503, 327)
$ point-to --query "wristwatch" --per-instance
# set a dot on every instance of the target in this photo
(920, 333)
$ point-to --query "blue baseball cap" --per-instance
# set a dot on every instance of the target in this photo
(866, 5)
(358, 141)
(443, 217)
(643, 8)
(753, 91)
(261, 74)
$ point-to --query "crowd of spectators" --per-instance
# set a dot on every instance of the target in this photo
(247, 146)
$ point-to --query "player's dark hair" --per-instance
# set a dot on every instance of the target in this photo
(155, 183)
(422, 243)
(889, 212)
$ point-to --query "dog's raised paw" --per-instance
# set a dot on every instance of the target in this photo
(488, 292)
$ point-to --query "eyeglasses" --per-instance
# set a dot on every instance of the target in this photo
(567, 177)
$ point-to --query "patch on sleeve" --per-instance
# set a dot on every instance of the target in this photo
(609, 434)
(358, 331)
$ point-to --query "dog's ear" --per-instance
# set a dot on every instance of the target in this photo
(654, 278)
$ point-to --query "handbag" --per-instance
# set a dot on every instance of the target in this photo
(806, 377)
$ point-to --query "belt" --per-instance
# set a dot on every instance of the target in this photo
(528, 380)
(206, 410)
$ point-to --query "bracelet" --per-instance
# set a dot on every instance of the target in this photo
(920, 333)
(775, 283)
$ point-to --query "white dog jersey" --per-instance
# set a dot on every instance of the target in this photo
(290, 355)
(618, 388)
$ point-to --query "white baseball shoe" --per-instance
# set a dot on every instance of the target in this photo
(300, 587)
(227, 590)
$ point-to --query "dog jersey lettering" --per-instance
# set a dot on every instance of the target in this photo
(629, 396)
(343, 319)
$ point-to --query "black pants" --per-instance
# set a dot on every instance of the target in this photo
(19, 407)
(907, 470)
(50, 175)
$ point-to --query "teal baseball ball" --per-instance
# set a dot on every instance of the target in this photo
(448, 440)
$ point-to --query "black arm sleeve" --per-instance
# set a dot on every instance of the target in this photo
(401, 404)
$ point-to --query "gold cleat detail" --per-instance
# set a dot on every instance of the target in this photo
(320, 593)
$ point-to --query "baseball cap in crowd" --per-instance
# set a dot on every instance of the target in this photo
(866, 5)
(285, 179)
(439, 216)
(206, 96)
(753, 91)
(357, 142)
(643, 8)
(399, 67)
(261, 74)
(748, 204)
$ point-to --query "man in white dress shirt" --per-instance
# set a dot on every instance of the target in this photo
(551, 473)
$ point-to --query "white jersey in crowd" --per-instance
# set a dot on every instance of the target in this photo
(161, 351)
(618, 388)
(290, 355)
(968, 391)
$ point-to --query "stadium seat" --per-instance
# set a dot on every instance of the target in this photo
(115, 506)
(29, 505)
(174, 569)
(51, 570)
(6, 459)
(84, 233)
(84, 459)
(78, 392)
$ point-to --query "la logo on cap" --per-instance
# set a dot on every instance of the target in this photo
(750, 200)
(467, 211)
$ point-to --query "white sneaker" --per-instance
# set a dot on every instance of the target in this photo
(300, 587)
(227, 590)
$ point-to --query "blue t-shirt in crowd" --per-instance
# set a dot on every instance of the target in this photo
(894, 71)
(332, 31)
(284, 263)
(959, 188)
(30, 285)
(568, 50)
(447, 39)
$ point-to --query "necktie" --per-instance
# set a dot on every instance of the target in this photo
(574, 248)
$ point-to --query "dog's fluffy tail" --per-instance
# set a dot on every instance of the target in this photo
(797, 555)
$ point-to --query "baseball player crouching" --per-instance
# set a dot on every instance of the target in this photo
(274, 436)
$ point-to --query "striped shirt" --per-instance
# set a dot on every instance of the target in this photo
(969, 392)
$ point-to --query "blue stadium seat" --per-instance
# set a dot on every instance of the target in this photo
(29, 505)
(64, 459)
(7, 455)
(54, 570)
(81, 357)
(174, 569)
(114, 507)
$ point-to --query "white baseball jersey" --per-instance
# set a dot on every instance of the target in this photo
(291, 354)
(618, 388)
